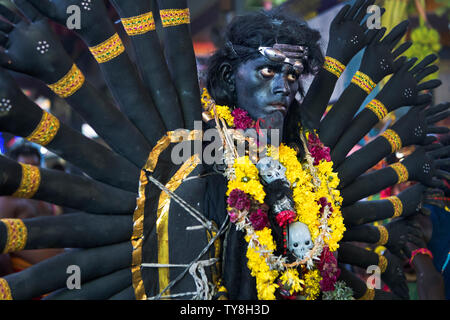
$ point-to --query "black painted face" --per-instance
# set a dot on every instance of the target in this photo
(266, 90)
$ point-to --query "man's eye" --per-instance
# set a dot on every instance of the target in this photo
(267, 72)
(292, 77)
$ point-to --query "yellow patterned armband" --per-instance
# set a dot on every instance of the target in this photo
(333, 66)
(384, 236)
(378, 108)
(5, 290)
(16, 235)
(30, 182)
(108, 49)
(139, 25)
(69, 84)
(394, 139)
(175, 17)
(397, 205)
(45, 131)
(382, 263)
(364, 82)
(368, 295)
(401, 171)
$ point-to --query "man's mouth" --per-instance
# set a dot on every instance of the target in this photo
(278, 106)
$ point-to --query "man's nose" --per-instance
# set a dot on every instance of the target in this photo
(281, 85)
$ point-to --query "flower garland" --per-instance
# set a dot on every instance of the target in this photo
(317, 205)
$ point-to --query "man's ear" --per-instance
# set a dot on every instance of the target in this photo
(227, 79)
(227, 76)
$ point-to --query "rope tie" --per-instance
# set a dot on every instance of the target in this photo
(205, 290)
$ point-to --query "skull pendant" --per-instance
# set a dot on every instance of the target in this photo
(271, 170)
(299, 239)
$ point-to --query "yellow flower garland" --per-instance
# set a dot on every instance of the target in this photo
(223, 112)
(306, 195)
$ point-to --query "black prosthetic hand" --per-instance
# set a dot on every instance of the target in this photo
(379, 60)
(345, 28)
(31, 47)
(401, 90)
(99, 34)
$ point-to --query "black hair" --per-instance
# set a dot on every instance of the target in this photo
(24, 149)
(247, 33)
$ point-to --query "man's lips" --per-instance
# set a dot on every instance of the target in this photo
(278, 106)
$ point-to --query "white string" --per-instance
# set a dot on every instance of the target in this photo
(161, 265)
(191, 210)
(223, 227)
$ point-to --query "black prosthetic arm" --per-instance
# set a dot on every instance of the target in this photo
(182, 64)
(150, 58)
(360, 288)
(401, 90)
(63, 189)
(391, 273)
(74, 230)
(121, 76)
(53, 274)
(126, 294)
(98, 289)
(344, 27)
(411, 129)
(369, 211)
(398, 232)
(421, 166)
(378, 61)
(27, 120)
(53, 66)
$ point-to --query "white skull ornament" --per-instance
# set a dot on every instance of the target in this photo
(299, 239)
(271, 170)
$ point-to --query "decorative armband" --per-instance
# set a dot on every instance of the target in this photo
(69, 84)
(394, 139)
(368, 295)
(45, 131)
(108, 49)
(139, 25)
(30, 182)
(382, 263)
(175, 17)
(5, 290)
(378, 108)
(16, 235)
(384, 236)
(333, 66)
(424, 251)
(364, 82)
(398, 206)
(401, 171)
